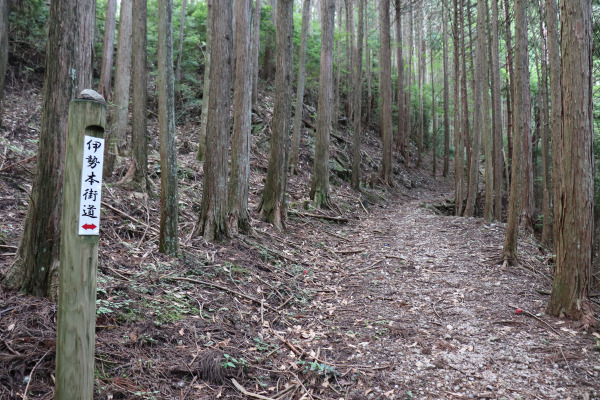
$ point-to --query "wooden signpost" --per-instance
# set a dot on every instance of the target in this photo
(80, 227)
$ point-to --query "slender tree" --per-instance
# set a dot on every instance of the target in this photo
(255, 49)
(107, 49)
(4, 14)
(574, 215)
(273, 206)
(458, 134)
(212, 223)
(338, 63)
(300, 88)
(421, 77)
(545, 137)
(319, 191)
(385, 89)
(206, 86)
(357, 50)
(137, 174)
(239, 218)
(401, 115)
(483, 47)
(446, 91)
(497, 115)
(433, 116)
(68, 71)
(180, 47)
(169, 202)
(527, 186)
(555, 70)
(119, 114)
(521, 101)
(408, 119)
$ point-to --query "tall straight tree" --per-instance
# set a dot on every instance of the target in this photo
(357, 50)
(497, 115)
(295, 148)
(169, 201)
(458, 134)
(545, 137)
(477, 117)
(206, 85)
(446, 91)
(108, 48)
(527, 186)
(421, 78)
(554, 66)
(117, 135)
(180, 47)
(401, 116)
(574, 215)
(273, 202)
(385, 88)
(68, 71)
(255, 49)
(137, 174)
(212, 223)
(408, 119)
(319, 190)
(338, 61)
(4, 14)
(239, 218)
(482, 48)
(521, 118)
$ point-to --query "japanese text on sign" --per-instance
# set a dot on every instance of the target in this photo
(91, 185)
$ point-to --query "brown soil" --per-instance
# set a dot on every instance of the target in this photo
(395, 301)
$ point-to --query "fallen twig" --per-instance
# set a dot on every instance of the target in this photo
(535, 317)
(24, 161)
(32, 371)
(288, 344)
(247, 393)
(327, 217)
(130, 217)
(255, 300)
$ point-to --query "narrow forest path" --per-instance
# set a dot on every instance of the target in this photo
(415, 305)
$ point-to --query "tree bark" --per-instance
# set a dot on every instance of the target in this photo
(319, 191)
(239, 218)
(544, 126)
(496, 115)
(108, 49)
(117, 136)
(401, 107)
(458, 135)
(300, 88)
(169, 199)
(338, 63)
(521, 101)
(556, 103)
(273, 207)
(180, 47)
(574, 215)
(4, 14)
(255, 50)
(446, 92)
(527, 187)
(477, 123)
(510, 96)
(68, 71)
(137, 174)
(385, 89)
(483, 47)
(433, 118)
(206, 86)
(357, 50)
(212, 223)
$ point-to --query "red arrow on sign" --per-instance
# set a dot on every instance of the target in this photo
(88, 226)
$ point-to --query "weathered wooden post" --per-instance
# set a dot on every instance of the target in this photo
(80, 225)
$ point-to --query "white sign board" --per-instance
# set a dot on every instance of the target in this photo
(91, 186)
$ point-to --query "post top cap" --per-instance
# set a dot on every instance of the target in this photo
(89, 94)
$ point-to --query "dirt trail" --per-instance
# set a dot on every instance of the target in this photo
(420, 298)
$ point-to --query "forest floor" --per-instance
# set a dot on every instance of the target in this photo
(388, 299)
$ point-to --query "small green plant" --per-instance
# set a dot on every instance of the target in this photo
(322, 369)
(231, 362)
